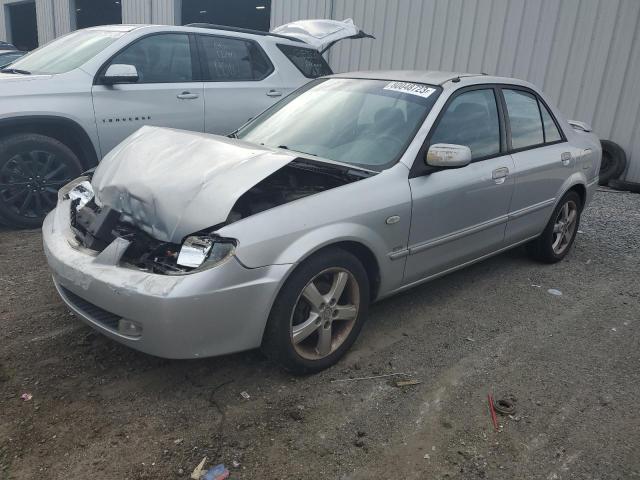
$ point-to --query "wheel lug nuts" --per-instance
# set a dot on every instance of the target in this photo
(335, 312)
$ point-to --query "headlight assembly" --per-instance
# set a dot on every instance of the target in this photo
(203, 251)
(80, 188)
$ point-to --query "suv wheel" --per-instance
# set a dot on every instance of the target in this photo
(559, 234)
(318, 313)
(32, 169)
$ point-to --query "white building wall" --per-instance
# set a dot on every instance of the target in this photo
(53, 18)
(585, 54)
(164, 12)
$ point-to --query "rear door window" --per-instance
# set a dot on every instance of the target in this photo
(524, 119)
(227, 59)
(309, 61)
(551, 133)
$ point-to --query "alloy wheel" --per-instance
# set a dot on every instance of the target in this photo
(564, 227)
(325, 313)
(29, 182)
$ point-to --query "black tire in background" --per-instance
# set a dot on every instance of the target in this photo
(614, 161)
(33, 167)
(625, 186)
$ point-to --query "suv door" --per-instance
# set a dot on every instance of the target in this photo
(542, 158)
(239, 81)
(168, 92)
(460, 214)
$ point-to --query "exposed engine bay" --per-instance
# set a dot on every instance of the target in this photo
(96, 227)
(297, 180)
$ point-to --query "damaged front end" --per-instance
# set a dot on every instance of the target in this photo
(96, 227)
(132, 209)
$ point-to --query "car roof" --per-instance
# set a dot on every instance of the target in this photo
(208, 28)
(115, 28)
(431, 77)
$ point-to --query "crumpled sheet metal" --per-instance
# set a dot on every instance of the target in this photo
(171, 183)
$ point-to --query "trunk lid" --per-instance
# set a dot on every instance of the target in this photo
(322, 33)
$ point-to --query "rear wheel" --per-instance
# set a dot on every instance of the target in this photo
(560, 233)
(318, 313)
(32, 169)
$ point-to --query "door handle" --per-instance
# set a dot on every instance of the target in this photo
(499, 175)
(274, 93)
(565, 158)
(188, 96)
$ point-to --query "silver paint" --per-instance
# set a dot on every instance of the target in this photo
(448, 219)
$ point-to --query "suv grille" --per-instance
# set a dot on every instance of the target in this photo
(95, 313)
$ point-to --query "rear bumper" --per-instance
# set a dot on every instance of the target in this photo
(213, 312)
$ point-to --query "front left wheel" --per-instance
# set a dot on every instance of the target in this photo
(319, 312)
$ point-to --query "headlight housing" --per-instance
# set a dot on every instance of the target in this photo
(201, 251)
(80, 188)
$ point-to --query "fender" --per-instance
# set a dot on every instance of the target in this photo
(63, 129)
(575, 179)
(391, 271)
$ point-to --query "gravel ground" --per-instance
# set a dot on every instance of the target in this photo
(571, 364)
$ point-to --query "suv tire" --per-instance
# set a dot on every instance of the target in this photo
(33, 167)
(327, 324)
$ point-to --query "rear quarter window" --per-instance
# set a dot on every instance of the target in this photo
(309, 61)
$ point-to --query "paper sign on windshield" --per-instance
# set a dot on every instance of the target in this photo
(410, 88)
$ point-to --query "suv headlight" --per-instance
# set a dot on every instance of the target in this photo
(203, 251)
(80, 188)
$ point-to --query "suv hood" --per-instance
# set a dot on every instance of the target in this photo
(321, 34)
(172, 183)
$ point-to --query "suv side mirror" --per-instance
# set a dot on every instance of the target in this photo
(447, 155)
(120, 73)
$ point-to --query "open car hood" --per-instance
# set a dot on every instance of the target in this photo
(322, 34)
(171, 183)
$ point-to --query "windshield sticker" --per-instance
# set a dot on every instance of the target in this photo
(410, 88)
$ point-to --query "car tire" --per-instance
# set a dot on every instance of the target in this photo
(549, 247)
(299, 311)
(614, 161)
(33, 167)
(625, 186)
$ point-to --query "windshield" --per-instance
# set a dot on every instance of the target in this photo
(67, 53)
(365, 123)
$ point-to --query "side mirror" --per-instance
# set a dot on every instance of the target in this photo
(448, 155)
(119, 73)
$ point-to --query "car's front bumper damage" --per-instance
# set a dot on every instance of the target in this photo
(211, 312)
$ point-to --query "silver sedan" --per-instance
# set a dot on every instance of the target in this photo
(351, 189)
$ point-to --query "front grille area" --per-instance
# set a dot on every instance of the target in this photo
(95, 313)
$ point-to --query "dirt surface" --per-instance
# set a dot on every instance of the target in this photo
(571, 364)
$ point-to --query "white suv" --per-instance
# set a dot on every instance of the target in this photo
(67, 104)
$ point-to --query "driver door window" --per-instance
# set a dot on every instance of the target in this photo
(471, 119)
(159, 59)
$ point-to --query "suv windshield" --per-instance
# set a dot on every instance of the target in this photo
(365, 123)
(67, 53)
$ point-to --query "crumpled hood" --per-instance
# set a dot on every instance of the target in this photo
(171, 183)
